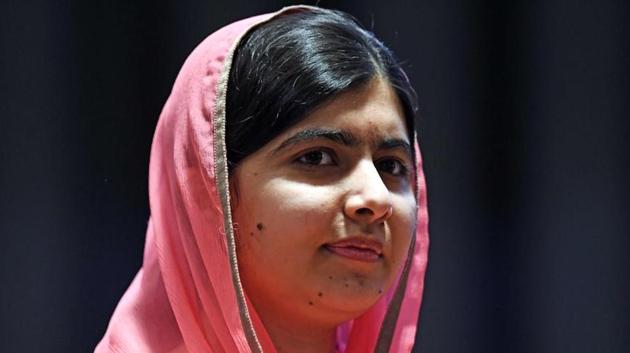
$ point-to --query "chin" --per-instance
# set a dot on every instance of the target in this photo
(352, 300)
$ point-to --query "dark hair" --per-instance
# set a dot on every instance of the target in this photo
(286, 68)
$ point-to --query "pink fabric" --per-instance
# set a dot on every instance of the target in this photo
(183, 298)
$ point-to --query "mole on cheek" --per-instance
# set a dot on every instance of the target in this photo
(320, 294)
(260, 226)
(310, 303)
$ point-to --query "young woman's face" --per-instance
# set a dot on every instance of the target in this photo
(324, 212)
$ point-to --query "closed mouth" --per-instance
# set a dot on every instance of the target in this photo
(357, 248)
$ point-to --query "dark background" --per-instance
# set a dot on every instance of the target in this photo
(523, 124)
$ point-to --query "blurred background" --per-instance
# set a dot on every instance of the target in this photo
(523, 123)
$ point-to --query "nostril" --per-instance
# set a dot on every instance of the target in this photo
(365, 211)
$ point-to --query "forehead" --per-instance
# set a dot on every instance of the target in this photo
(372, 111)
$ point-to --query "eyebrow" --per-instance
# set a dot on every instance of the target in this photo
(395, 143)
(342, 137)
(335, 135)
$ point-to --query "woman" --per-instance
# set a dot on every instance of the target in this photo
(288, 206)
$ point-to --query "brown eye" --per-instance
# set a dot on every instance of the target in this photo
(392, 166)
(315, 158)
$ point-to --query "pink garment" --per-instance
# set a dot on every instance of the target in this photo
(187, 297)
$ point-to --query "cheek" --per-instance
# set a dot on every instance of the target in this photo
(402, 226)
(281, 228)
(277, 215)
(295, 202)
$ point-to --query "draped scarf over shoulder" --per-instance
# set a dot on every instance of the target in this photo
(188, 296)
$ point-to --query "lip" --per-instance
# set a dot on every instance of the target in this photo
(357, 248)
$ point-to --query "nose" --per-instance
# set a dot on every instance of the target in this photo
(369, 199)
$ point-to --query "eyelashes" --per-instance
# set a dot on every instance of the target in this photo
(322, 157)
(317, 157)
(393, 167)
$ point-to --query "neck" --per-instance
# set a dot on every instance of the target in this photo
(293, 338)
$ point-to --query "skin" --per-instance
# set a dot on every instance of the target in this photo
(302, 191)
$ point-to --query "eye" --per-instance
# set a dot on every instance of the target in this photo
(393, 167)
(316, 158)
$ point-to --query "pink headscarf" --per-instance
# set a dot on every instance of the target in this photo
(188, 297)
